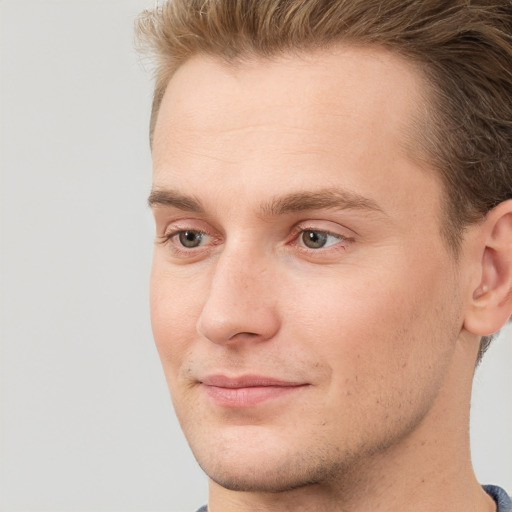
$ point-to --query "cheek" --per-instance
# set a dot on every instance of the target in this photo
(174, 307)
(379, 324)
(387, 358)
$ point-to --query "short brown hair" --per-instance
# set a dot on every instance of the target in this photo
(463, 47)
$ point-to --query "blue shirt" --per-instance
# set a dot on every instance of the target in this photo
(502, 499)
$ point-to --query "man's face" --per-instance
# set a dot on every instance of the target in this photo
(304, 304)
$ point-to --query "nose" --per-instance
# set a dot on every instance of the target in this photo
(241, 304)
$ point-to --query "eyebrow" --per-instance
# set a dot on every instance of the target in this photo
(279, 205)
(320, 200)
(161, 197)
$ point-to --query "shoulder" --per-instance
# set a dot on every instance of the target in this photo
(205, 509)
(502, 499)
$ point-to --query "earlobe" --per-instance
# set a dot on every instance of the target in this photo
(491, 300)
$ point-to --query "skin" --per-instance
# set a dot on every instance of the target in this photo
(369, 331)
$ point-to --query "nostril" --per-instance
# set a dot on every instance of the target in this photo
(241, 325)
(244, 335)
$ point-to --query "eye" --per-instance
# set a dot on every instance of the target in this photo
(190, 238)
(313, 239)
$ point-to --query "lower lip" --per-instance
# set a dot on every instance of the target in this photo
(247, 397)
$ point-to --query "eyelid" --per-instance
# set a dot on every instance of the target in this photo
(344, 236)
(168, 233)
(168, 237)
(181, 254)
(175, 226)
(317, 226)
(344, 240)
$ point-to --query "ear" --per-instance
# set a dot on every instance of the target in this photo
(491, 300)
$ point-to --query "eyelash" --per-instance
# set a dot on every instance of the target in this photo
(167, 238)
(299, 230)
(179, 250)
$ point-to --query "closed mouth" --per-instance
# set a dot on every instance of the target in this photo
(248, 390)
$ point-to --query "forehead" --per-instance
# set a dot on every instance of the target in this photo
(207, 92)
(343, 113)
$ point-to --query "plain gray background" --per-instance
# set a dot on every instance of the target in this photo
(86, 421)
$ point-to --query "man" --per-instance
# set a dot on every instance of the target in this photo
(332, 194)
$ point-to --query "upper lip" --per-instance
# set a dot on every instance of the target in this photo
(247, 381)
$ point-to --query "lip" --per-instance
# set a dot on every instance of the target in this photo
(247, 390)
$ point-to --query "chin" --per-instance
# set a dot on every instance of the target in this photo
(272, 477)
(268, 465)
